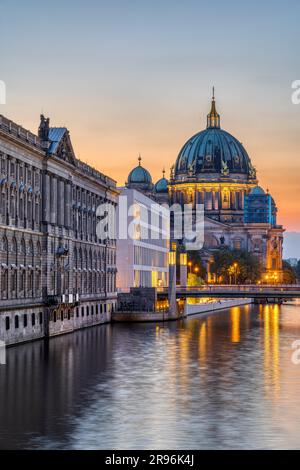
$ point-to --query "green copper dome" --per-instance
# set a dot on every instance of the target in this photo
(162, 185)
(214, 151)
(139, 177)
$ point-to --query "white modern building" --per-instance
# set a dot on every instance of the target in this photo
(142, 241)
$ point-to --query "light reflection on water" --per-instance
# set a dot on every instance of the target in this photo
(221, 381)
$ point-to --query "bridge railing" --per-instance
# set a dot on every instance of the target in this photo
(210, 288)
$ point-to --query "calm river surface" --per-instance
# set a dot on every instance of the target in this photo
(221, 381)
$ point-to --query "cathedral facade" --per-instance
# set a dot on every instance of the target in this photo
(55, 274)
(214, 169)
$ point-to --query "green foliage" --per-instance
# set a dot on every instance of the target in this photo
(289, 273)
(194, 280)
(247, 266)
(298, 270)
(195, 258)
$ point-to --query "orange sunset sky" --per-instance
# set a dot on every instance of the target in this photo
(130, 77)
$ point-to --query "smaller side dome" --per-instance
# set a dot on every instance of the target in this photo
(162, 185)
(257, 191)
(139, 177)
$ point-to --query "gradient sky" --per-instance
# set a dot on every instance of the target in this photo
(128, 76)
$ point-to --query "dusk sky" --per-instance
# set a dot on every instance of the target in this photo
(130, 77)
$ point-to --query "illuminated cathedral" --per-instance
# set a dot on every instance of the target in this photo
(214, 169)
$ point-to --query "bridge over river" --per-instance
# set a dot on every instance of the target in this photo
(259, 292)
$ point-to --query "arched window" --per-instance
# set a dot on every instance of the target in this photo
(23, 247)
(14, 249)
(21, 207)
(37, 210)
(38, 282)
(38, 249)
(22, 280)
(30, 282)
(14, 245)
(4, 246)
(29, 208)
(80, 258)
(33, 319)
(75, 257)
(13, 283)
(12, 212)
(4, 282)
(30, 248)
(16, 322)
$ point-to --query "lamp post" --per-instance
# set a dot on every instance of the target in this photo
(172, 280)
(183, 269)
(235, 265)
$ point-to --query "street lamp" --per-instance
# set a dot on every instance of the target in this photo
(190, 264)
(235, 265)
(196, 269)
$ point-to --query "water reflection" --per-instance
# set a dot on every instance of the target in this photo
(221, 381)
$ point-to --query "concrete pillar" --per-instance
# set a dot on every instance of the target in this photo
(60, 203)
(67, 207)
(46, 198)
(172, 282)
(53, 202)
(183, 270)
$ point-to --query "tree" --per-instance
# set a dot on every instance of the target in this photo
(239, 265)
(298, 270)
(195, 258)
(289, 273)
(194, 280)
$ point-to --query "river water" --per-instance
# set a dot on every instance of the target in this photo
(222, 381)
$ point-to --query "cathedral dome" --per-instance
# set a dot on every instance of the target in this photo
(162, 185)
(139, 176)
(213, 152)
(257, 191)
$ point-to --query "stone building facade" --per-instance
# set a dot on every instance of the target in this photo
(55, 274)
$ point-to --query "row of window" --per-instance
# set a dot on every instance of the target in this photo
(83, 311)
(150, 257)
(24, 248)
(17, 169)
(19, 282)
(21, 205)
(89, 259)
(212, 200)
(34, 318)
